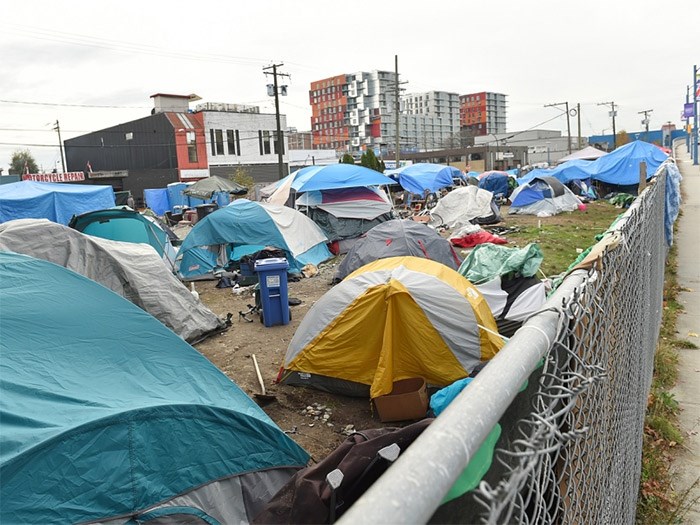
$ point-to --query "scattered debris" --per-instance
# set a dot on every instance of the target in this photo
(348, 429)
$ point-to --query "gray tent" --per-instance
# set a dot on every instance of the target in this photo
(205, 188)
(134, 271)
(397, 238)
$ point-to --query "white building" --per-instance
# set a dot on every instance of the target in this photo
(241, 137)
(544, 146)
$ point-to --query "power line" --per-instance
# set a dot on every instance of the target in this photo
(27, 102)
(132, 47)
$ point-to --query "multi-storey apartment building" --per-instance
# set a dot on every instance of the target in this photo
(483, 113)
(356, 111)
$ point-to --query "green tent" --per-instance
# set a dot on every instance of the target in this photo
(108, 416)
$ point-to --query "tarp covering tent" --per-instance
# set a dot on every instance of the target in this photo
(543, 196)
(488, 261)
(497, 182)
(134, 271)
(564, 173)
(107, 416)
(587, 153)
(53, 201)
(392, 319)
(464, 205)
(398, 238)
(206, 188)
(423, 176)
(127, 225)
(346, 213)
(350, 203)
(330, 177)
(244, 227)
(621, 167)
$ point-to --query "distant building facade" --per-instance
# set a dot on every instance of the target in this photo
(483, 113)
(175, 144)
(353, 112)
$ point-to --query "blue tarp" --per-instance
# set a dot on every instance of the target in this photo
(496, 183)
(422, 177)
(157, 200)
(335, 176)
(250, 226)
(106, 412)
(621, 167)
(673, 200)
(175, 196)
(53, 201)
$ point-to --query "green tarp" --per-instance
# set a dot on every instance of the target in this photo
(487, 261)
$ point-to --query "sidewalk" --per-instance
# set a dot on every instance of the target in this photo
(687, 391)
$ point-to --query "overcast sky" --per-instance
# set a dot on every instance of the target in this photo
(94, 64)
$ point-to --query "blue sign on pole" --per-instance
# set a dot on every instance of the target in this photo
(688, 110)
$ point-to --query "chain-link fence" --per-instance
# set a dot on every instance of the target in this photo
(569, 391)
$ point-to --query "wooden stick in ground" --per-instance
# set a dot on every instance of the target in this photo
(257, 372)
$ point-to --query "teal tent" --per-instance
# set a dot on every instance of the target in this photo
(127, 225)
(108, 416)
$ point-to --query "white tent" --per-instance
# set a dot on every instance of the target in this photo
(587, 153)
(134, 271)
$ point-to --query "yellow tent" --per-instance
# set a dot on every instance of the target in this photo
(392, 319)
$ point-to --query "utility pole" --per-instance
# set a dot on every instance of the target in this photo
(687, 120)
(568, 122)
(613, 114)
(696, 87)
(646, 121)
(57, 128)
(578, 115)
(398, 106)
(280, 141)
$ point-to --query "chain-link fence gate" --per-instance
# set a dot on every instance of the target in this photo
(569, 391)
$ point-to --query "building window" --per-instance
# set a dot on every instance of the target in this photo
(264, 141)
(129, 136)
(219, 142)
(212, 141)
(231, 141)
(192, 146)
(238, 142)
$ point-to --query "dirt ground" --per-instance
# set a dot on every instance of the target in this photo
(231, 351)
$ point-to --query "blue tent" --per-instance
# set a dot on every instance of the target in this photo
(496, 183)
(51, 200)
(543, 195)
(126, 225)
(245, 227)
(564, 172)
(421, 177)
(106, 413)
(621, 167)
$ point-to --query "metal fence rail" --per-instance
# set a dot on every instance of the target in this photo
(570, 449)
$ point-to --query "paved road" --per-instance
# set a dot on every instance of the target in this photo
(687, 391)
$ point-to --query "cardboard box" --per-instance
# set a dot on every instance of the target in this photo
(408, 400)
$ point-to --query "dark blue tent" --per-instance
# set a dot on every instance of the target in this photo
(496, 183)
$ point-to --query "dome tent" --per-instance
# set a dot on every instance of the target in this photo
(543, 196)
(392, 319)
(133, 270)
(98, 427)
(398, 238)
(244, 227)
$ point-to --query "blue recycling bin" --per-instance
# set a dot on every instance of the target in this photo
(272, 274)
